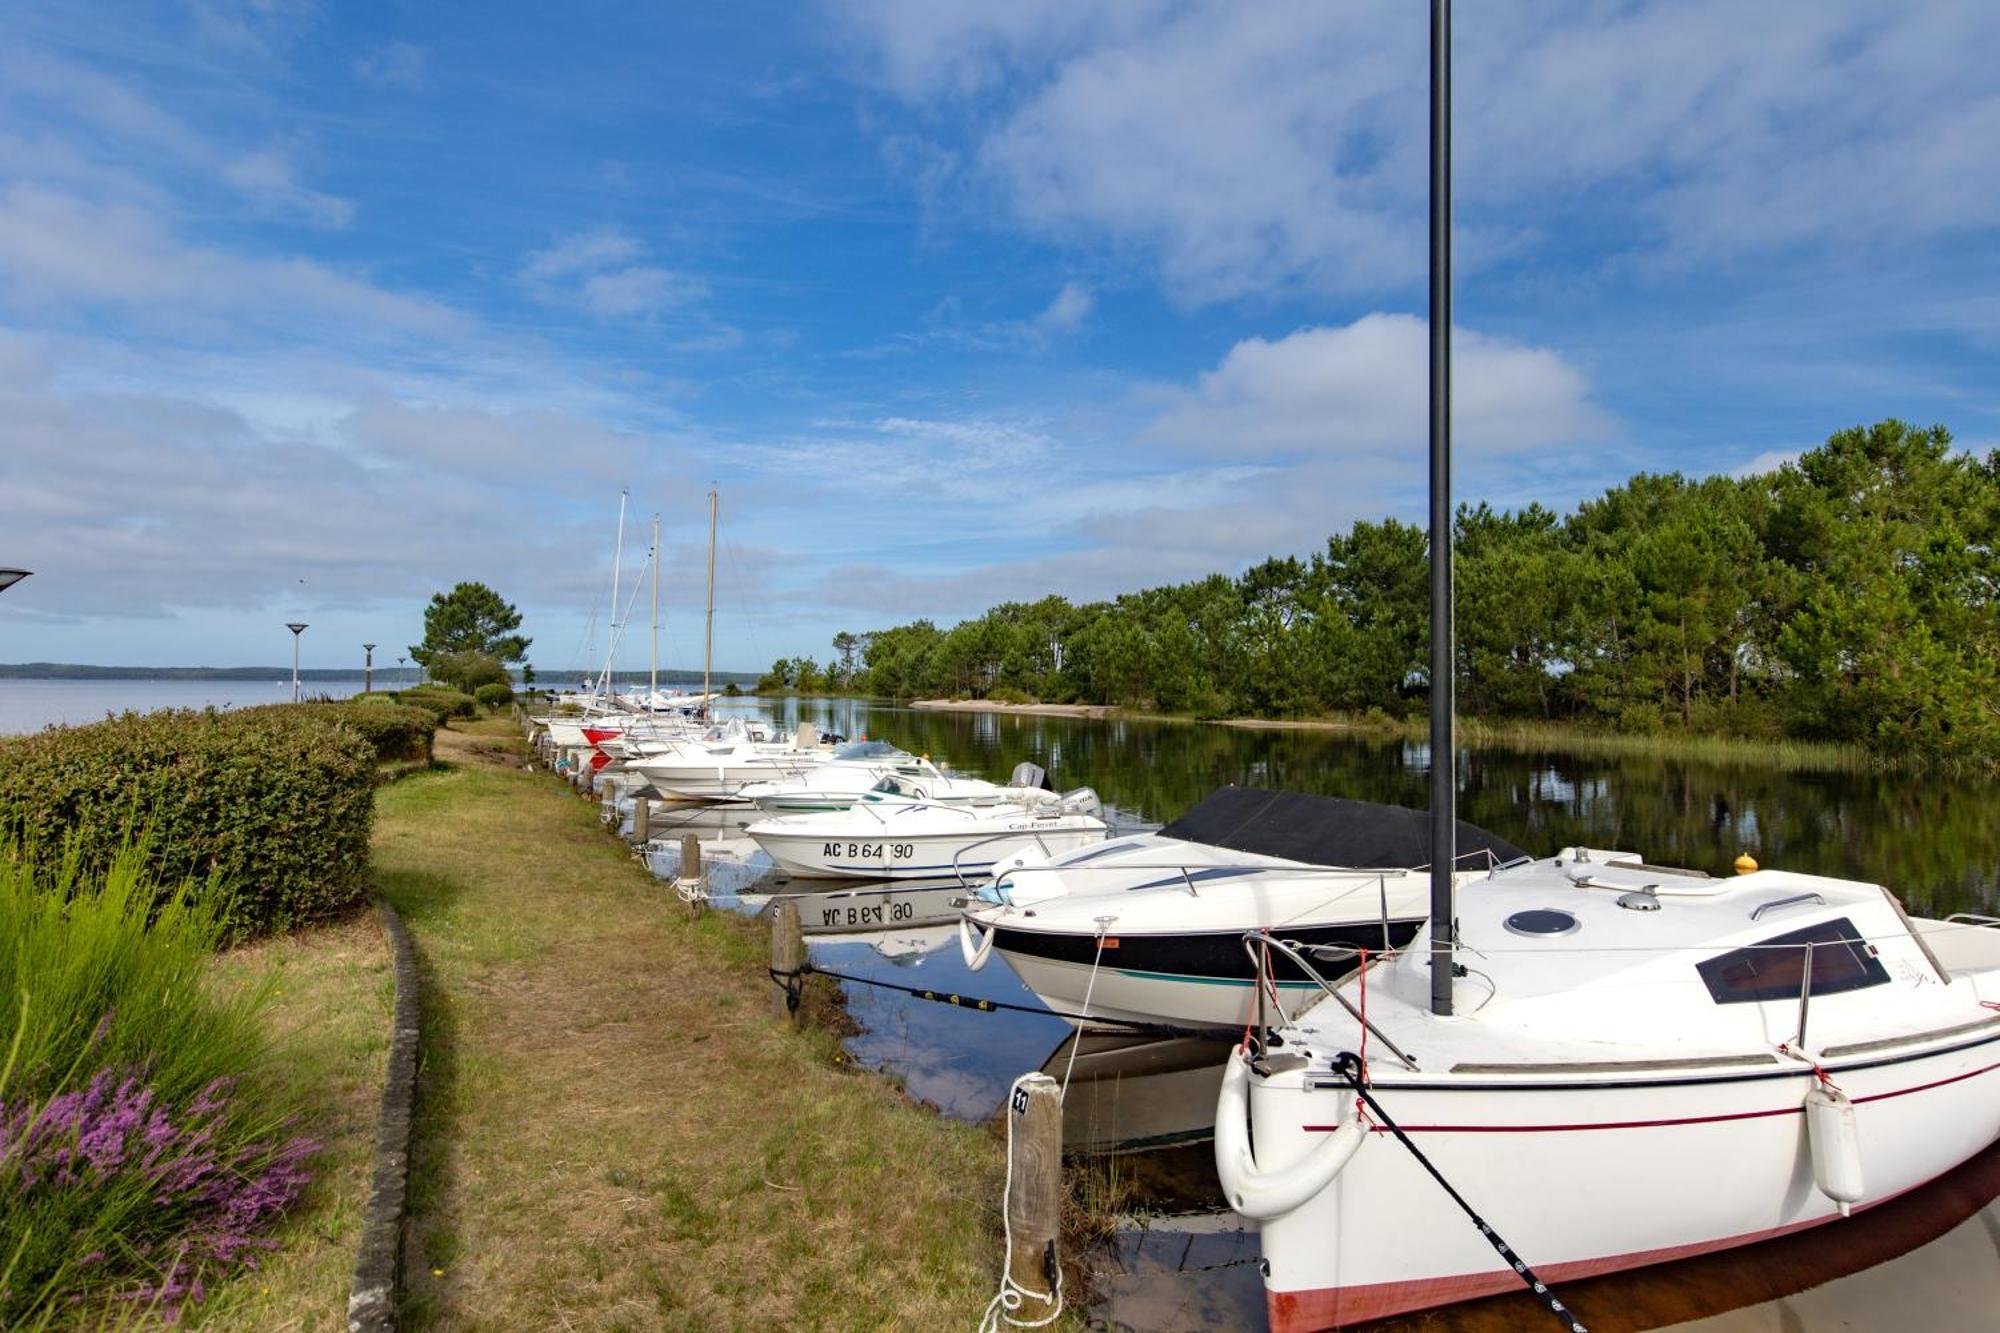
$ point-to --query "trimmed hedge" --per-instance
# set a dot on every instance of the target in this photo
(276, 803)
(399, 732)
(446, 703)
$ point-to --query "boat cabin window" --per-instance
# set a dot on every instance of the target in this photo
(1775, 968)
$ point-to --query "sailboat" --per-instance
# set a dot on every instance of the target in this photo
(1586, 1063)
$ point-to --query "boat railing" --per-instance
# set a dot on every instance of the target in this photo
(1011, 834)
(1971, 919)
(1260, 945)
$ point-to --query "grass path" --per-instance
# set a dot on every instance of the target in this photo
(613, 1132)
(332, 996)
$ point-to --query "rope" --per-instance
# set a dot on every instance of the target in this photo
(986, 1006)
(1001, 1308)
(1103, 926)
(1348, 1066)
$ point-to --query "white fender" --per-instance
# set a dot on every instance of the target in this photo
(1835, 1144)
(1262, 1195)
(975, 954)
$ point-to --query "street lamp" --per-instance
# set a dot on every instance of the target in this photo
(297, 629)
(368, 669)
(10, 577)
(402, 676)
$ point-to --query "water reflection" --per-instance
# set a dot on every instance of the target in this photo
(1934, 840)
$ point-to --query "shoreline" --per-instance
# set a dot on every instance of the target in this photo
(1091, 711)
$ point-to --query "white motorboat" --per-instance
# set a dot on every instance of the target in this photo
(872, 771)
(909, 839)
(1644, 1064)
(1149, 927)
(718, 769)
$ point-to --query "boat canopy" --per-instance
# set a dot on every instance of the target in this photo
(1328, 830)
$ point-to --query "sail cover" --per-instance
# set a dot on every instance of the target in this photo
(1328, 830)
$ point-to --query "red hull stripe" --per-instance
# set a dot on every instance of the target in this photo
(1332, 1307)
(1652, 1124)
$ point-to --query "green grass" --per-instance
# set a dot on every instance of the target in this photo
(614, 1132)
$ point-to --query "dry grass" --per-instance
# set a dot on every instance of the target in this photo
(329, 1018)
(614, 1132)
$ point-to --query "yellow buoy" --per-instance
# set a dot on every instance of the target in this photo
(1746, 864)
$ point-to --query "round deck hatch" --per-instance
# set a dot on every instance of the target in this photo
(1542, 921)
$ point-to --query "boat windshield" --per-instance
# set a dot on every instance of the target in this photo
(866, 750)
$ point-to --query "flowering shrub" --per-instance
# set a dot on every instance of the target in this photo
(138, 1154)
(134, 1198)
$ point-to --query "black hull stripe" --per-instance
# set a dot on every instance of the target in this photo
(1203, 956)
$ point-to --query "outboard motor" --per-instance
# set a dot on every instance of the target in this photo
(1082, 801)
(1028, 774)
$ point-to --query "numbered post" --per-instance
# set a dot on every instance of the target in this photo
(1034, 1194)
(788, 958)
(694, 891)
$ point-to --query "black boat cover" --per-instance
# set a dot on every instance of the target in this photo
(1328, 830)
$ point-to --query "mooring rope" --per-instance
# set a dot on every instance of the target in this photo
(1348, 1066)
(790, 981)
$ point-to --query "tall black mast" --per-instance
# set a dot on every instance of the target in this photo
(1444, 787)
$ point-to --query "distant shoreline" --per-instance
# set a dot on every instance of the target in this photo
(390, 675)
(1020, 710)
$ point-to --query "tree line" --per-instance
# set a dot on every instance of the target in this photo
(1852, 595)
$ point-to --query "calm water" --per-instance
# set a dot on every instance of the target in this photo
(30, 705)
(1934, 840)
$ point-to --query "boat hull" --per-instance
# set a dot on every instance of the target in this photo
(1555, 1168)
(903, 855)
(1195, 979)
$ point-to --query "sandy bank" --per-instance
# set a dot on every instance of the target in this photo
(1024, 710)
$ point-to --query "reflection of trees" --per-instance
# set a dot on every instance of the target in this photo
(1935, 842)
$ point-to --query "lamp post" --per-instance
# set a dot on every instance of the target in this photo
(402, 676)
(297, 629)
(10, 577)
(368, 669)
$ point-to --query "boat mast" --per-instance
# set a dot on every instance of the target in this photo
(617, 568)
(708, 643)
(1444, 754)
(653, 699)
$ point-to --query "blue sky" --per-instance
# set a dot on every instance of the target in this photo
(307, 311)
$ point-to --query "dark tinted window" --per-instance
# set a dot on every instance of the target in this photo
(1775, 969)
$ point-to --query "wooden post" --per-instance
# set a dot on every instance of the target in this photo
(642, 820)
(1034, 1193)
(788, 954)
(691, 870)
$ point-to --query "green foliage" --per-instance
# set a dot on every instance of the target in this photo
(467, 671)
(441, 701)
(276, 803)
(471, 618)
(398, 733)
(103, 986)
(494, 694)
(1853, 596)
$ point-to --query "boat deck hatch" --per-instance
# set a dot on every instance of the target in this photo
(1542, 921)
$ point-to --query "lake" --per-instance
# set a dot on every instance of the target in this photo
(30, 705)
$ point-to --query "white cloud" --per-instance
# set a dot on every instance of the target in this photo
(396, 65)
(1767, 462)
(1365, 386)
(1245, 150)
(269, 175)
(598, 271)
(1066, 313)
(57, 250)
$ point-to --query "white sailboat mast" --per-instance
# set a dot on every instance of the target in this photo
(708, 642)
(653, 699)
(617, 568)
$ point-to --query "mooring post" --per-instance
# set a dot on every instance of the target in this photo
(694, 889)
(1034, 1194)
(788, 957)
(642, 820)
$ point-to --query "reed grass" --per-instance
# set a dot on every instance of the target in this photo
(138, 1154)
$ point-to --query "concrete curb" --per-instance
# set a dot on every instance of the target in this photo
(378, 1267)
